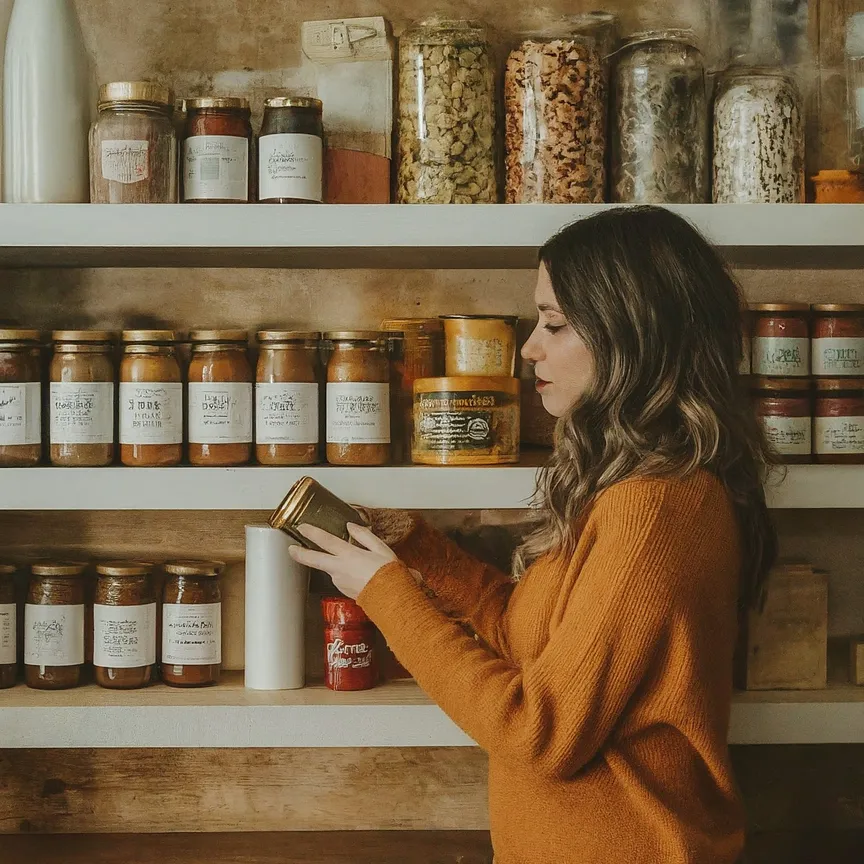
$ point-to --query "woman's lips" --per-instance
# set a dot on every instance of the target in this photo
(540, 384)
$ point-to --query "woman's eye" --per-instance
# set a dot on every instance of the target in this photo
(553, 328)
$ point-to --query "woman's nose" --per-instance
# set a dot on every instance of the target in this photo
(531, 348)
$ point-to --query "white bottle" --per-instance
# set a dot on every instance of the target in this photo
(46, 105)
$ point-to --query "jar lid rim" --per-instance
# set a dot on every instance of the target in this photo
(13, 334)
(288, 335)
(136, 336)
(202, 336)
(762, 382)
(124, 568)
(58, 568)
(83, 336)
(135, 91)
(508, 318)
(193, 567)
(838, 307)
(779, 307)
(294, 102)
(354, 335)
(232, 102)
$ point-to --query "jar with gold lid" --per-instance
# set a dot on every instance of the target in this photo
(20, 398)
(8, 626)
(81, 400)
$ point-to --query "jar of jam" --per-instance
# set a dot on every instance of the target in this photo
(358, 398)
(82, 398)
(192, 623)
(8, 627)
(151, 400)
(291, 151)
(21, 398)
(838, 339)
(838, 421)
(54, 625)
(217, 147)
(124, 625)
(287, 397)
(350, 662)
(781, 340)
(784, 406)
(220, 398)
(480, 345)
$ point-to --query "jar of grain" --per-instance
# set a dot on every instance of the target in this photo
(483, 345)
(133, 145)
(8, 626)
(81, 403)
(124, 625)
(151, 400)
(838, 421)
(784, 406)
(838, 339)
(287, 396)
(220, 398)
(358, 398)
(20, 398)
(781, 339)
(54, 625)
(192, 623)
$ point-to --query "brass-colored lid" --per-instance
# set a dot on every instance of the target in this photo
(293, 504)
(218, 336)
(836, 176)
(293, 102)
(355, 335)
(136, 91)
(784, 385)
(509, 319)
(133, 337)
(20, 335)
(779, 307)
(231, 102)
(288, 336)
(82, 336)
(124, 568)
(468, 384)
(194, 568)
(412, 325)
(824, 308)
(58, 568)
(7, 569)
(835, 384)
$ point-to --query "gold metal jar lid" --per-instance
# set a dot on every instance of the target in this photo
(58, 568)
(13, 335)
(779, 307)
(509, 319)
(354, 336)
(135, 91)
(294, 503)
(828, 385)
(837, 308)
(201, 336)
(782, 385)
(230, 103)
(294, 102)
(134, 337)
(82, 336)
(124, 568)
(7, 569)
(468, 384)
(194, 568)
(429, 326)
(288, 336)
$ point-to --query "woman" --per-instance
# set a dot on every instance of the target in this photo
(600, 680)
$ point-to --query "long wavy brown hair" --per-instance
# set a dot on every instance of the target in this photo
(661, 314)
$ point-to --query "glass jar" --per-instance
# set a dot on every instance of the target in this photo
(745, 368)
(217, 150)
(781, 339)
(124, 625)
(660, 123)
(838, 339)
(291, 151)
(20, 398)
(349, 645)
(8, 626)
(81, 404)
(784, 406)
(287, 397)
(446, 151)
(855, 88)
(192, 623)
(133, 145)
(758, 139)
(358, 398)
(151, 400)
(838, 421)
(480, 345)
(54, 625)
(220, 398)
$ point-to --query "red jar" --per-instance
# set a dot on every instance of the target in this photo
(838, 421)
(838, 339)
(784, 406)
(781, 340)
(350, 662)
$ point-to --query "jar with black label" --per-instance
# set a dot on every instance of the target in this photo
(784, 406)
(838, 421)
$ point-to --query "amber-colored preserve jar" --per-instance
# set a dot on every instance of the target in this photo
(480, 345)
(784, 406)
(838, 421)
(20, 398)
(781, 340)
(349, 645)
(8, 627)
(220, 398)
(82, 398)
(151, 400)
(287, 396)
(838, 339)
(54, 625)
(358, 398)
(192, 623)
(124, 625)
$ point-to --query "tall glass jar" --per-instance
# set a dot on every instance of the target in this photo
(446, 114)
(8, 626)
(758, 138)
(660, 123)
(133, 145)
(21, 398)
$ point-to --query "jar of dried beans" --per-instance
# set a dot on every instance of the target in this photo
(784, 406)
(349, 645)
(838, 421)
(20, 398)
(8, 626)
(838, 339)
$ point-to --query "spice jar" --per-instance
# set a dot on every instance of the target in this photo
(8, 627)
(784, 406)
(446, 150)
(287, 395)
(220, 398)
(838, 421)
(54, 625)
(781, 339)
(838, 339)
(192, 623)
(291, 151)
(151, 399)
(81, 401)
(758, 139)
(124, 625)
(358, 398)
(20, 398)
(133, 145)
(483, 345)
(660, 123)
(349, 640)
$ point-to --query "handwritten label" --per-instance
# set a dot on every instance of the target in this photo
(192, 633)
(151, 413)
(8, 634)
(342, 655)
(124, 636)
(220, 413)
(53, 635)
(125, 161)
(286, 413)
(790, 436)
(838, 356)
(82, 413)
(20, 414)
(290, 166)
(781, 355)
(216, 167)
(358, 413)
(838, 435)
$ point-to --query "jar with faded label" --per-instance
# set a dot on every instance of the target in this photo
(781, 340)
(349, 645)
(8, 626)
(192, 623)
(784, 407)
(480, 345)
(124, 625)
(838, 340)
(358, 398)
(54, 625)
(81, 398)
(838, 421)
(220, 398)
(151, 399)
(291, 151)
(20, 398)
(287, 397)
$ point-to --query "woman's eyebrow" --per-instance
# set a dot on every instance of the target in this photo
(545, 307)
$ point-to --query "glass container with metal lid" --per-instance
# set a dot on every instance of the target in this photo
(838, 339)
(480, 345)
(20, 398)
(8, 626)
(781, 339)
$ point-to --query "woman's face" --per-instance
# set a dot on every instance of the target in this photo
(562, 362)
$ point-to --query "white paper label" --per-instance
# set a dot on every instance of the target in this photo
(20, 414)
(8, 634)
(216, 167)
(781, 356)
(192, 633)
(220, 413)
(125, 161)
(838, 356)
(290, 166)
(789, 436)
(480, 356)
(82, 413)
(358, 413)
(151, 413)
(124, 636)
(53, 635)
(286, 413)
(838, 435)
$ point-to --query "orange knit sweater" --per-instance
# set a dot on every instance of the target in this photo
(600, 684)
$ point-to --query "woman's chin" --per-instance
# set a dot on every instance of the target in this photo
(550, 403)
